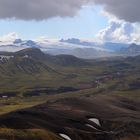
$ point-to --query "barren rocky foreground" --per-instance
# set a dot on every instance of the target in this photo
(90, 118)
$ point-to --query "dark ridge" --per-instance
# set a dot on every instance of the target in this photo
(66, 60)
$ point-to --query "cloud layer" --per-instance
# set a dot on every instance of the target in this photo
(43, 9)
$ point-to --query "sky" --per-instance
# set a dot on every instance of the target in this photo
(85, 24)
(99, 20)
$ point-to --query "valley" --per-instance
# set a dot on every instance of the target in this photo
(43, 96)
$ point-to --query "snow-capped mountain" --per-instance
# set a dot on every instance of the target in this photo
(76, 47)
(106, 45)
(132, 50)
(57, 47)
(17, 44)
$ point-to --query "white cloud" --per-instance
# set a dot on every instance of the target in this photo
(9, 37)
(120, 31)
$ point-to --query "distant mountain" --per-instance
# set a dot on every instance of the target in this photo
(17, 41)
(132, 50)
(30, 43)
(76, 47)
(26, 43)
(86, 53)
(114, 46)
(78, 42)
(17, 45)
(106, 45)
(89, 53)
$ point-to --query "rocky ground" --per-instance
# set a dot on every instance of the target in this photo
(96, 117)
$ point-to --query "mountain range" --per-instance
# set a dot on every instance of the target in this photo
(76, 47)
(132, 50)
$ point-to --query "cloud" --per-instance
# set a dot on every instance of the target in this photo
(9, 37)
(127, 10)
(39, 9)
(119, 31)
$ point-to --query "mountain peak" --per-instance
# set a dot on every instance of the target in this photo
(17, 41)
(71, 40)
(32, 52)
(30, 43)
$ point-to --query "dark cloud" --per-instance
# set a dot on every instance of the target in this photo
(43, 9)
(39, 9)
(127, 10)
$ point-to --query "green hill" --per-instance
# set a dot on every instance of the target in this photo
(42, 96)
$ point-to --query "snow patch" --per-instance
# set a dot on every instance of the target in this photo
(95, 121)
(4, 96)
(5, 57)
(91, 126)
(65, 136)
(26, 56)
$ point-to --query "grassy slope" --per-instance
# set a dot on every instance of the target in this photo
(30, 134)
(70, 76)
(82, 77)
